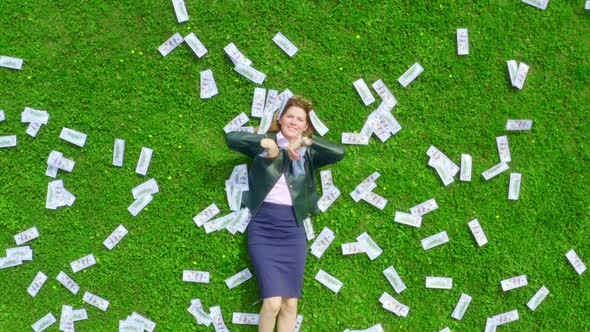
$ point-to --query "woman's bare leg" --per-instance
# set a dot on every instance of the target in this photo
(288, 314)
(268, 314)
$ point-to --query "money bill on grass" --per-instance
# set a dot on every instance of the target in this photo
(352, 248)
(96, 301)
(514, 125)
(587, 5)
(23, 253)
(506, 317)
(118, 152)
(514, 186)
(477, 232)
(217, 319)
(10, 62)
(407, 219)
(285, 44)
(356, 139)
(6, 262)
(33, 115)
(26, 236)
(521, 74)
(512, 70)
(435, 240)
(115, 237)
(326, 180)
(374, 199)
(439, 282)
(258, 102)
(149, 187)
(309, 233)
(83, 263)
(272, 102)
(462, 41)
(195, 44)
(298, 323)
(328, 198)
(391, 304)
(33, 128)
(219, 223)
(490, 325)
(394, 279)
(235, 55)
(437, 157)
(180, 10)
(383, 92)
(538, 298)
(195, 276)
(208, 86)
(541, 4)
(236, 122)
(284, 97)
(576, 262)
(503, 149)
(410, 74)
(363, 91)
(7, 141)
(68, 282)
(329, 281)
(369, 246)
(2, 116)
(322, 242)
(206, 215)
(130, 326)
(366, 185)
(139, 204)
(170, 44)
(424, 207)
(238, 278)
(37, 283)
(244, 318)
(461, 306)
(318, 125)
(466, 162)
(196, 309)
(250, 73)
(495, 170)
(43, 323)
(79, 314)
(66, 321)
(143, 163)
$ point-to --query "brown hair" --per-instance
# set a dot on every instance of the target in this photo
(296, 101)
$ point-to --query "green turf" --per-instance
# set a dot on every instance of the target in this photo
(94, 66)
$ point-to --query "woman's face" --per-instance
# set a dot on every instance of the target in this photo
(293, 122)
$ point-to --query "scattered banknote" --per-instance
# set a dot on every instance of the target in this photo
(149, 187)
(139, 204)
(68, 282)
(37, 283)
(391, 304)
(515, 282)
(33, 129)
(352, 248)
(356, 139)
(217, 319)
(379, 126)
(273, 102)
(33, 115)
(462, 42)
(10, 62)
(236, 122)
(512, 70)
(219, 223)
(2, 116)
(115, 237)
(196, 309)
(495, 170)
(435, 240)
(490, 325)
(309, 233)
(576, 262)
(96, 301)
(244, 318)
(43, 323)
(58, 196)
(587, 6)
(238, 278)
(443, 172)
(413, 220)
(465, 167)
(461, 306)
(374, 199)
(538, 298)
(118, 152)
(363, 91)
(170, 44)
(329, 281)
(506, 317)
(503, 149)
(369, 246)
(195, 276)
(394, 279)
(424, 207)
(519, 125)
(285, 44)
(7, 141)
(410, 75)
(298, 323)
(206, 215)
(514, 186)
(195, 44)
(143, 163)
(365, 186)
(66, 321)
(326, 180)
(439, 283)
(477, 232)
(258, 101)
(235, 55)
(284, 97)
(541, 4)
(383, 92)
(250, 73)
(83, 263)
(180, 10)
(208, 86)
(521, 74)
(79, 314)
(9, 261)
(437, 157)
(322, 242)
(328, 198)
(265, 123)
(73, 136)
(57, 161)
(130, 326)
(318, 125)
(23, 253)
(26, 236)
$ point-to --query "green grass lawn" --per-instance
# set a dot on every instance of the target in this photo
(94, 66)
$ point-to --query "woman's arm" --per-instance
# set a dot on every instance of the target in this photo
(244, 142)
(324, 152)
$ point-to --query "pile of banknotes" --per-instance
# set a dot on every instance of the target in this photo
(136, 322)
(143, 195)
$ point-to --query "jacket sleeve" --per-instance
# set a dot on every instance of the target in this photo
(324, 152)
(244, 142)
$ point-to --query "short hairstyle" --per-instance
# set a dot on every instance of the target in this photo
(296, 101)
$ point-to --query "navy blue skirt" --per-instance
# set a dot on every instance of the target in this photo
(277, 246)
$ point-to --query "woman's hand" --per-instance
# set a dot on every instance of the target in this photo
(292, 148)
(270, 146)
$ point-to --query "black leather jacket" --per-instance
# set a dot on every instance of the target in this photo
(265, 172)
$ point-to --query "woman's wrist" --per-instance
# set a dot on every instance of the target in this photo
(306, 141)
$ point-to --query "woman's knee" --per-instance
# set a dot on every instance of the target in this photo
(289, 305)
(272, 305)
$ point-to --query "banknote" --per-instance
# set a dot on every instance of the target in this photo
(43, 323)
(391, 304)
(461, 306)
(538, 298)
(329, 281)
(244, 318)
(413, 220)
(352, 248)
(369, 246)
(238, 278)
(521, 74)
(170, 44)
(217, 319)
(328, 198)
(285, 44)
(308, 229)
(7, 141)
(439, 282)
(180, 10)
(576, 262)
(465, 167)
(495, 170)
(196, 309)
(206, 215)
(195, 44)
(506, 317)
(512, 70)
(462, 42)
(33, 115)
(363, 91)
(410, 75)
(322, 242)
(96, 301)
(24, 253)
(79, 314)
(149, 187)
(258, 102)
(326, 180)
(383, 92)
(250, 73)
(519, 125)
(10, 62)
(374, 199)
(424, 207)
(115, 237)
(26, 236)
(139, 204)
(37, 283)
(541, 4)
(318, 125)
(435, 240)
(477, 232)
(66, 321)
(394, 279)
(83, 263)
(2, 116)
(68, 282)
(143, 163)
(235, 55)
(298, 323)
(356, 139)
(503, 149)
(118, 152)
(514, 186)
(195, 276)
